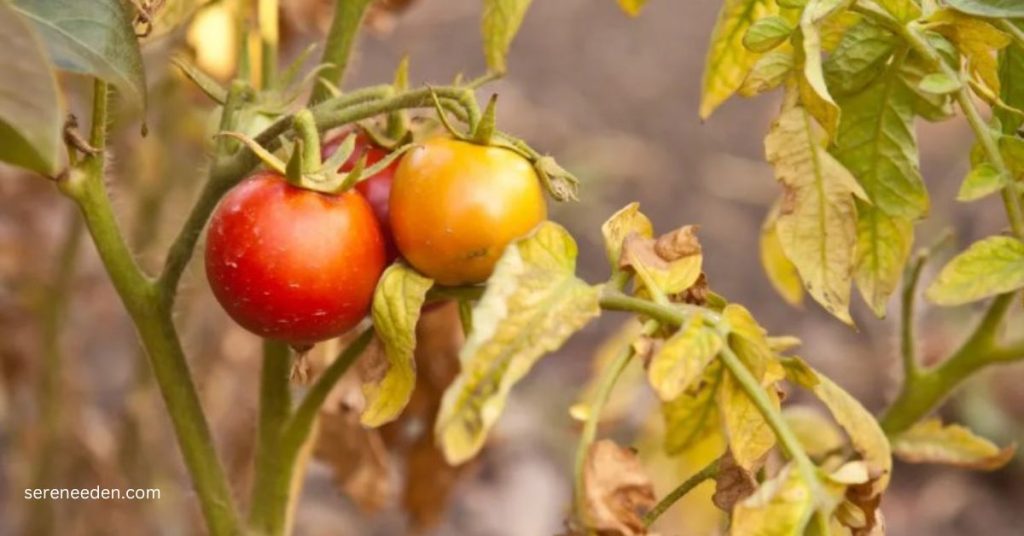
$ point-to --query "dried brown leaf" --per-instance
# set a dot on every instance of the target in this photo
(732, 483)
(617, 491)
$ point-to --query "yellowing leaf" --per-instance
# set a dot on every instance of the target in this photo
(983, 179)
(626, 221)
(815, 94)
(883, 246)
(780, 270)
(767, 33)
(750, 342)
(632, 7)
(532, 304)
(817, 224)
(501, 21)
(818, 435)
(750, 437)
(728, 61)
(782, 506)
(397, 301)
(859, 58)
(990, 8)
(768, 72)
(683, 357)
(671, 264)
(930, 441)
(977, 40)
(990, 266)
(903, 10)
(862, 428)
(693, 415)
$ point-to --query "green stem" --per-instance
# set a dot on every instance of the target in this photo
(708, 472)
(140, 296)
(305, 127)
(908, 351)
(267, 17)
(348, 17)
(268, 511)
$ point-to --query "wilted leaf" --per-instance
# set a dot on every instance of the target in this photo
(818, 435)
(990, 266)
(397, 301)
(30, 116)
(768, 72)
(780, 270)
(671, 263)
(982, 180)
(977, 40)
(1009, 9)
(532, 304)
(617, 492)
(728, 61)
(733, 483)
(859, 59)
(501, 21)
(767, 33)
(682, 359)
(930, 441)
(817, 224)
(750, 437)
(632, 7)
(626, 221)
(781, 506)
(91, 37)
(883, 246)
(693, 415)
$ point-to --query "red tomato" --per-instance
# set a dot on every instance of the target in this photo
(293, 264)
(376, 189)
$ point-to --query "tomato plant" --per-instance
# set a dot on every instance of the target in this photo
(297, 237)
(293, 264)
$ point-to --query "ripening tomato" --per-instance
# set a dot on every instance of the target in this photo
(376, 189)
(293, 264)
(455, 205)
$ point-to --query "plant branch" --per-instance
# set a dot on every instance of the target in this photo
(267, 18)
(708, 472)
(908, 350)
(268, 511)
(348, 17)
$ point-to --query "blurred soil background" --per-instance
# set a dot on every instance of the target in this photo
(615, 100)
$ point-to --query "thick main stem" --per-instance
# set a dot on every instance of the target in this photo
(268, 511)
(348, 17)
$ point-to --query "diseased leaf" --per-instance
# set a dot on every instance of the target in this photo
(859, 59)
(750, 342)
(672, 263)
(780, 270)
(930, 441)
(532, 304)
(397, 301)
(822, 105)
(93, 37)
(767, 33)
(632, 7)
(1011, 82)
(769, 72)
(501, 21)
(903, 10)
(818, 435)
(977, 40)
(1008, 9)
(782, 506)
(732, 484)
(617, 491)
(990, 266)
(681, 360)
(750, 437)
(30, 110)
(626, 221)
(728, 61)
(883, 247)
(817, 224)
(834, 27)
(693, 415)
(983, 179)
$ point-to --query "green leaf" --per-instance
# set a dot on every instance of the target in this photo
(693, 416)
(878, 144)
(1012, 149)
(501, 21)
(939, 84)
(903, 10)
(397, 301)
(781, 272)
(728, 61)
(30, 110)
(781, 506)
(1008, 9)
(682, 358)
(93, 37)
(767, 33)
(532, 304)
(991, 266)
(930, 441)
(984, 179)
(817, 224)
(883, 246)
(632, 7)
(626, 221)
(768, 73)
(750, 436)
(1011, 83)
(859, 59)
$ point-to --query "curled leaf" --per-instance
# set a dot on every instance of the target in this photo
(626, 221)
(733, 483)
(930, 441)
(671, 264)
(617, 491)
